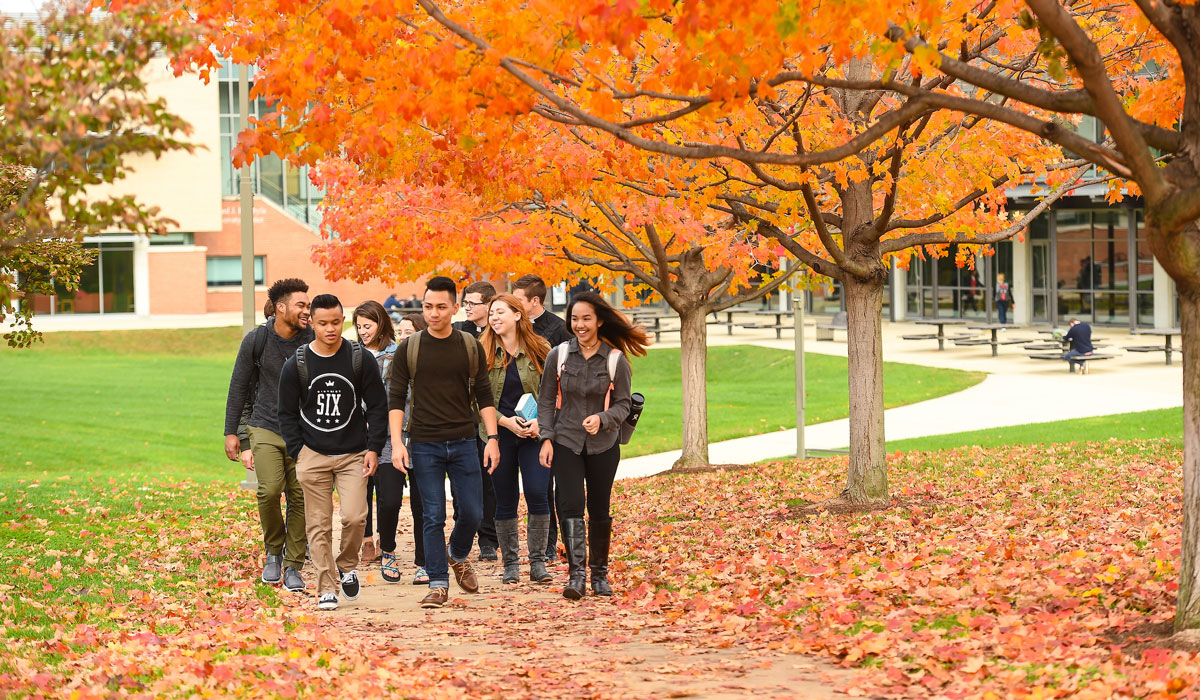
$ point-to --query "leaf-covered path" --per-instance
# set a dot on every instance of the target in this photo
(1019, 572)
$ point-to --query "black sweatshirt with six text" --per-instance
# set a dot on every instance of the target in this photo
(331, 421)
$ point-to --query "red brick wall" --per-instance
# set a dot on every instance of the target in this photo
(287, 246)
(178, 284)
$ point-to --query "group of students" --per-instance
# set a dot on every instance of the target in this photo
(310, 414)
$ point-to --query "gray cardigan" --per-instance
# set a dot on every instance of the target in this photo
(584, 385)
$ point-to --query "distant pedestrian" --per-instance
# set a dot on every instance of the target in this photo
(333, 417)
(516, 357)
(1079, 335)
(1004, 298)
(581, 408)
(448, 381)
(252, 428)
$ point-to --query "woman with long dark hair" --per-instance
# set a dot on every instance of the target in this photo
(410, 324)
(516, 356)
(375, 332)
(582, 406)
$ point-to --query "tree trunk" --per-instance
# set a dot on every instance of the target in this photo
(1187, 612)
(867, 480)
(693, 343)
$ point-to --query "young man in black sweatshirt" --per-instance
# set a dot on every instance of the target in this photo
(255, 440)
(324, 391)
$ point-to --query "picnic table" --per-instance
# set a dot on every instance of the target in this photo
(995, 341)
(728, 322)
(656, 318)
(778, 325)
(1166, 348)
(941, 324)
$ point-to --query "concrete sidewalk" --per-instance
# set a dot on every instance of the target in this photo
(1018, 390)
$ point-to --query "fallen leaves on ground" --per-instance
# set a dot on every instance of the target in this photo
(996, 573)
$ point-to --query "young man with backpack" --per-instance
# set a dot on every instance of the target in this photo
(252, 428)
(333, 417)
(443, 369)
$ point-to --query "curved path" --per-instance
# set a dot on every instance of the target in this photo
(1017, 391)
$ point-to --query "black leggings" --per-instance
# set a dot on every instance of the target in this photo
(584, 480)
(390, 492)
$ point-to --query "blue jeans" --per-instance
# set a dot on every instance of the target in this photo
(519, 459)
(1072, 357)
(1002, 309)
(432, 462)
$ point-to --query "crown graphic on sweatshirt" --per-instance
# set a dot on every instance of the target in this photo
(329, 383)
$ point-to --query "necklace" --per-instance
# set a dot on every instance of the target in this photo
(591, 347)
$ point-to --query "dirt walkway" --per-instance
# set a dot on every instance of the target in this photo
(590, 648)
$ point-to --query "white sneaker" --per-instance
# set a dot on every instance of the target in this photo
(328, 601)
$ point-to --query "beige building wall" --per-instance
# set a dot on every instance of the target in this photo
(185, 186)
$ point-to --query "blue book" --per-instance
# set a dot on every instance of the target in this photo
(527, 407)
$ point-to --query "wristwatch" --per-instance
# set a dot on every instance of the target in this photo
(494, 437)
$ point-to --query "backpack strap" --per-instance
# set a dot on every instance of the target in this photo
(614, 357)
(260, 347)
(562, 360)
(356, 361)
(410, 359)
(302, 372)
(472, 358)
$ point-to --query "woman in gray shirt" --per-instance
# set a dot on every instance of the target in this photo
(580, 411)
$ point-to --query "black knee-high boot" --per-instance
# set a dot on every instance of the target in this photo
(575, 539)
(599, 537)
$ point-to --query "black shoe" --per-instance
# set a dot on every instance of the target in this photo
(272, 572)
(350, 587)
(487, 551)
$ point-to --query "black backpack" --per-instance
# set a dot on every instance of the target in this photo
(356, 359)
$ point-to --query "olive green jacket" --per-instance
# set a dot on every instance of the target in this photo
(531, 379)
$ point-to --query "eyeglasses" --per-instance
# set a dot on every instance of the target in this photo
(468, 305)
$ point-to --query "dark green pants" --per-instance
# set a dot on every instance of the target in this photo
(276, 474)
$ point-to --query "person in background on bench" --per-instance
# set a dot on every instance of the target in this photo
(1080, 337)
(1003, 297)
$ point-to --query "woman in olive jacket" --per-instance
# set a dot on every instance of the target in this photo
(515, 355)
(581, 410)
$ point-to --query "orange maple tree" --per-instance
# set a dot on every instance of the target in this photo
(1135, 67)
(782, 120)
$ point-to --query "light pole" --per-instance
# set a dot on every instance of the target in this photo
(250, 483)
(798, 316)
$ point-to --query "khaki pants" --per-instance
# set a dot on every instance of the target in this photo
(276, 473)
(319, 475)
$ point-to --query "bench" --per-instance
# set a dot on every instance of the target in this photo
(920, 336)
(826, 331)
(972, 341)
(659, 331)
(1147, 348)
(1059, 356)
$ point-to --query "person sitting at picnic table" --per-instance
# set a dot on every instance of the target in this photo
(1079, 335)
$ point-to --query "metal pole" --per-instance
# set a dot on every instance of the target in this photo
(798, 315)
(250, 483)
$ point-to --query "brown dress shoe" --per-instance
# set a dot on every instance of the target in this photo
(437, 598)
(465, 576)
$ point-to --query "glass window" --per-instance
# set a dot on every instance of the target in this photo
(226, 271)
(177, 238)
(1073, 223)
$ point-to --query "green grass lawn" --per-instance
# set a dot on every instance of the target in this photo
(1164, 423)
(152, 402)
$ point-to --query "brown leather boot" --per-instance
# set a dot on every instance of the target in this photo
(436, 598)
(463, 574)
